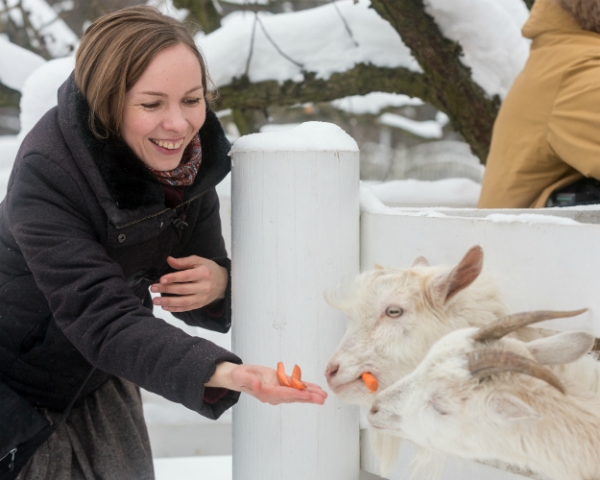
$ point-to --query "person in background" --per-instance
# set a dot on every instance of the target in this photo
(112, 198)
(545, 148)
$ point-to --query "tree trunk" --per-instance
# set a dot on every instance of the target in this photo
(471, 111)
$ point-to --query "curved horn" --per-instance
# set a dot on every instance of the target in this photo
(484, 363)
(505, 325)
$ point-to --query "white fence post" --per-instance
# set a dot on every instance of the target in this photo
(295, 228)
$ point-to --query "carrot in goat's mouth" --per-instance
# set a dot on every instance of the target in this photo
(370, 381)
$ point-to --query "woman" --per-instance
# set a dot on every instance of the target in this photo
(113, 194)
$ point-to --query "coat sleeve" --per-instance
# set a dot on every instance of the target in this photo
(89, 298)
(204, 238)
(573, 126)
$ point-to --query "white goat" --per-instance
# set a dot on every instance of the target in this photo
(396, 315)
(469, 398)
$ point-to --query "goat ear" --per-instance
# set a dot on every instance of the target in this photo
(462, 275)
(420, 261)
(506, 407)
(565, 347)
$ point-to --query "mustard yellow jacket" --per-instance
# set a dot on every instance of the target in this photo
(547, 134)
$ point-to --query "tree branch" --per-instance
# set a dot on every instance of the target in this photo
(362, 79)
(471, 111)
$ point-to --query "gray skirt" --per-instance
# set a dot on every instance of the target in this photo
(104, 438)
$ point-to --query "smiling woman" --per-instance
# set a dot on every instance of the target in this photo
(112, 197)
(163, 113)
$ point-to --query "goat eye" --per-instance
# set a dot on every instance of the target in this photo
(393, 311)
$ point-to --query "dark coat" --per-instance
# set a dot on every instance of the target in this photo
(84, 231)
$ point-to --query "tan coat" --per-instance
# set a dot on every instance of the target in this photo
(547, 133)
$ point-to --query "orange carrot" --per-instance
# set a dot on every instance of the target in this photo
(370, 382)
(296, 378)
(281, 376)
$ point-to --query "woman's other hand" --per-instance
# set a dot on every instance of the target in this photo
(198, 283)
(261, 383)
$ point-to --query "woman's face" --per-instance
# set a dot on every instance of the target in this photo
(165, 108)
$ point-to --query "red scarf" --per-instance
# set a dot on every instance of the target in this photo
(185, 173)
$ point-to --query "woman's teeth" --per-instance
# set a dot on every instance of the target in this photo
(168, 145)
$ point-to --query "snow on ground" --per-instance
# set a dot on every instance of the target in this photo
(194, 468)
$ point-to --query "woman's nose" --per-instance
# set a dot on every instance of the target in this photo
(175, 120)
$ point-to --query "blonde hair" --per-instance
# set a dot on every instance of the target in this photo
(114, 53)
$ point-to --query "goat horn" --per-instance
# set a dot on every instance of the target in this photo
(505, 325)
(484, 363)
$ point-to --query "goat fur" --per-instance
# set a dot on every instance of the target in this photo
(435, 301)
(509, 418)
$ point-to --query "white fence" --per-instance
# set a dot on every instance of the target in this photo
(296, 234)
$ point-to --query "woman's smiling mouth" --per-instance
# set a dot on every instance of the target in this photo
(168, 144)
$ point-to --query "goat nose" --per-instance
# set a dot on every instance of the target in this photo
(331, 370)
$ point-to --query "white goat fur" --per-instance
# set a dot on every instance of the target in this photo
(509, 417)
(435, 301)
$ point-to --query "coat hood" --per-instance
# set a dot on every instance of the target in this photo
(586, 12)
(562, 15)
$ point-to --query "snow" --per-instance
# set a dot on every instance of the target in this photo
(488, 30)
(424, 129)
(306, 136)
(59, 38)
(451, 192)
(490, 33)
(40, 91)
(194, 468)
(530, 219)
(22, 62)
(374, 102)
(331, 50)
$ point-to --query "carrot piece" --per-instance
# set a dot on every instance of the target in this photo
(370, 382)
(296, 378)
(281, 376)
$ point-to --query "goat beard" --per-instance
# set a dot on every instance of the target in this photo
(586, 12)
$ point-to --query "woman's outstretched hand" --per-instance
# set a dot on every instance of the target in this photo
(197, 283)
(261, 382)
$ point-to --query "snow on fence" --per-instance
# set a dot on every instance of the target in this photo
(296, 234)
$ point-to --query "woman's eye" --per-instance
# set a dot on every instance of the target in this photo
(394, 311)
(192, 101)
(149, 106)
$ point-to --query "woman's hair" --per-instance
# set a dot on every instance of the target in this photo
(114, 53)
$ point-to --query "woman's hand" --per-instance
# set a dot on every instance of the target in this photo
(261, 383)
(199, 282)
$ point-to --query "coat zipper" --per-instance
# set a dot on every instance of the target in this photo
(161, 212)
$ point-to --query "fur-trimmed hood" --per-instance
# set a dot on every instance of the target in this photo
(586, 12)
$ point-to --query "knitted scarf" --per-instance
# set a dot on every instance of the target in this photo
(185, 173)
